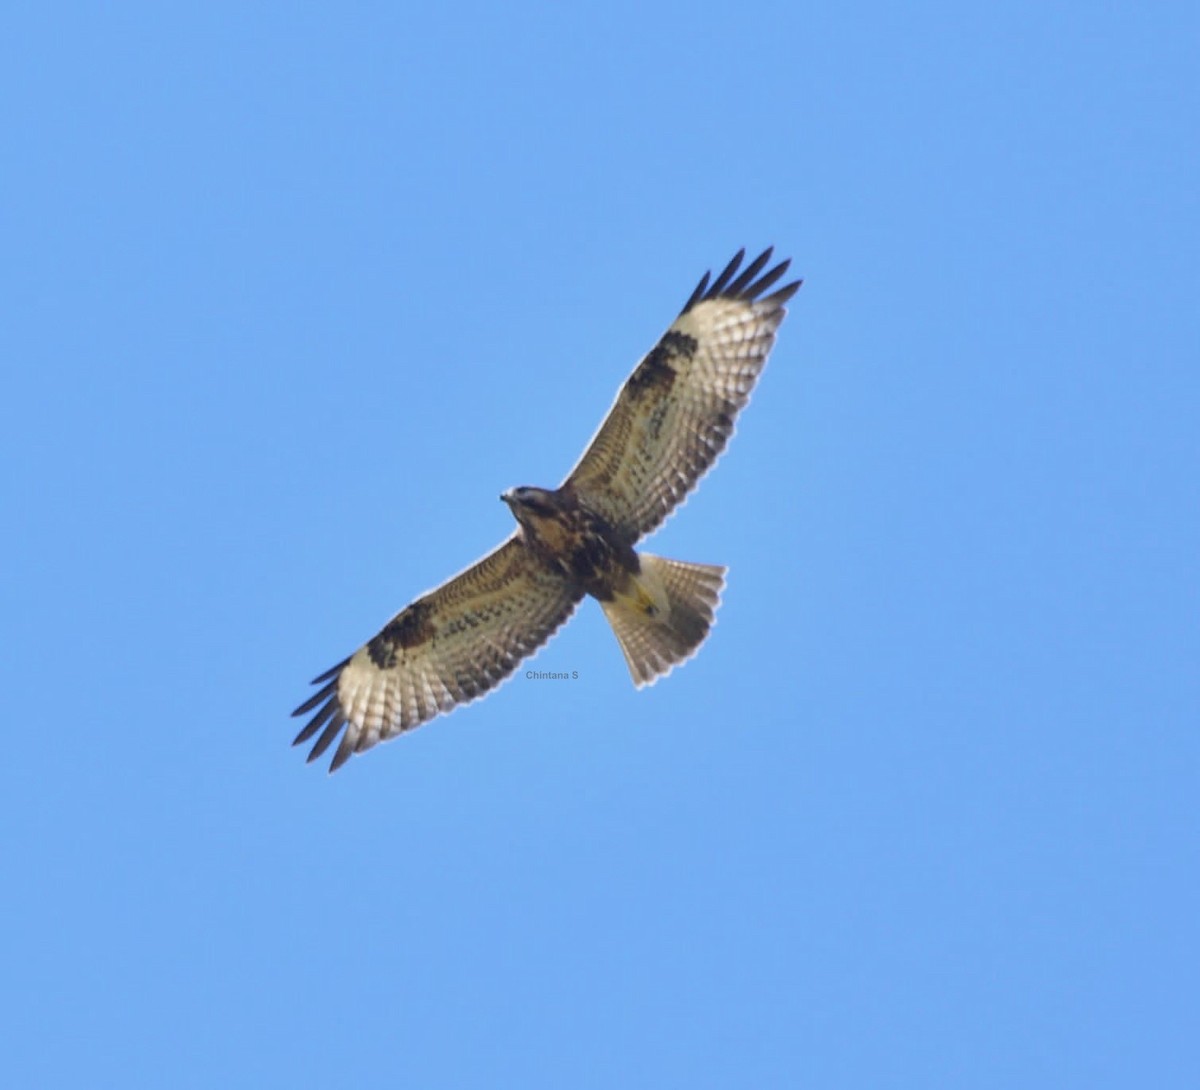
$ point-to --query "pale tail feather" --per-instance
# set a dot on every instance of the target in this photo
(666, 617)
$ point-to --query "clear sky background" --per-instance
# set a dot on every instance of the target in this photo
(291, 294)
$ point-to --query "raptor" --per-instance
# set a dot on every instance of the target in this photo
(670, 421)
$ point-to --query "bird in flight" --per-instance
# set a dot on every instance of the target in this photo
(669, 423)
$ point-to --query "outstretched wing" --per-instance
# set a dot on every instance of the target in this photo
(450, 646)
(674, 415)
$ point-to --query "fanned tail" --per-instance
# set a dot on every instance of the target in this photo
(664, 618)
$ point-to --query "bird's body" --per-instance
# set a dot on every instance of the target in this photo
(660, 610)
(670, 421)
(577, 541)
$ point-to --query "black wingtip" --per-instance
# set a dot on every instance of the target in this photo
(324, 702)
(327, 737)
(698, 294)
(784, 294)
(330, 672)
(318, 697)
(316, 722)
(344, 752)
(748, 285)
(721, 283)
(750, 272)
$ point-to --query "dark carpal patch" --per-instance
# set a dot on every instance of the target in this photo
(656, 370)
(411, 628)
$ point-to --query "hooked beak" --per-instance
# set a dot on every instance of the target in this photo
(507, 497)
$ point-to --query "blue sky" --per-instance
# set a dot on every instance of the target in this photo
(293, 293)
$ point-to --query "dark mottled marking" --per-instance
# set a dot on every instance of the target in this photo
(678, 344)
(591, 556)
(651, 372)
(582, 545)
(467, 683)
(599, 558)
(463, 622)
(409, 629)
(654, 422)
(656, 370)
(383, 652)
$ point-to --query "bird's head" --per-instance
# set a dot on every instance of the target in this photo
(530, 505)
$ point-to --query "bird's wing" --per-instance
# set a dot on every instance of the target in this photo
(674, 415)
(450, 646)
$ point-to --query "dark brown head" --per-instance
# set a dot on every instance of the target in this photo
(531, 506)
(537, 501)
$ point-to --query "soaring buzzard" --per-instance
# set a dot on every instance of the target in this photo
(670, 421)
